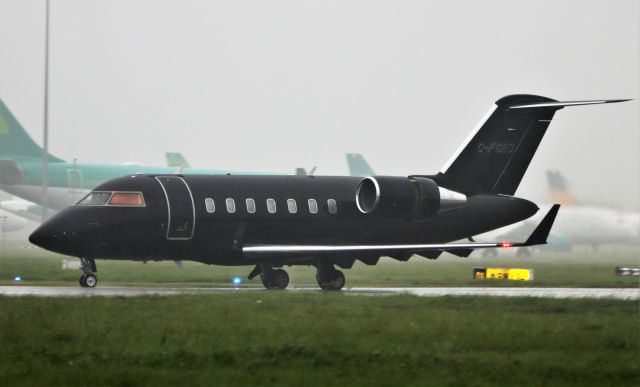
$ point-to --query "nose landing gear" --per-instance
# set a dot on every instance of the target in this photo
(88, 278)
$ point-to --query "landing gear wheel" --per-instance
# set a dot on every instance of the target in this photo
(88, 267)
(90, 280)
(335, 283)
(275, 279)
(280, 279)
(267, 280)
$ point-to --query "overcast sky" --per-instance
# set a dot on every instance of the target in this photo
(271, 85)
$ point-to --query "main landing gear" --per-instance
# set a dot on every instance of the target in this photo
(271, 278)
(328, 277)
(88, 278)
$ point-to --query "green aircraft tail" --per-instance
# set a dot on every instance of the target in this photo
(175, 159)
(15, 142)
(358, 166)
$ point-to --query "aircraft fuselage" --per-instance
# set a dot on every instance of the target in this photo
(209, 218)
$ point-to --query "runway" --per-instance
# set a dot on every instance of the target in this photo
(59, 291)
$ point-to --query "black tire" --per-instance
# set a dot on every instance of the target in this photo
(338, 281)
(334, 284)
(90, 280)
(267, 280)
(82, 281)
(280, 279)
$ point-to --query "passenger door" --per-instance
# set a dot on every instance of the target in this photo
(180, 207)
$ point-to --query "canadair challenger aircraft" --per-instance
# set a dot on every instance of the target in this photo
(273, 221)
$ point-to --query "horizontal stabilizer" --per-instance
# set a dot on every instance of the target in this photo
(560, 104)
(538, 237)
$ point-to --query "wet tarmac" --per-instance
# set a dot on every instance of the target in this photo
(60, 291)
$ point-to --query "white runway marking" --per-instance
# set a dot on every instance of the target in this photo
(59, 291)
(618, 293)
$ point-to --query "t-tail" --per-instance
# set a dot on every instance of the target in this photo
(497, 153)
(15, 142)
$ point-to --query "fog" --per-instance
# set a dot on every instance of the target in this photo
(270, 86)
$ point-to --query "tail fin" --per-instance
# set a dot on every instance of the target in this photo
(358, 166)
(176, 160)
(559, 189)
(496, 155)
(15, 142)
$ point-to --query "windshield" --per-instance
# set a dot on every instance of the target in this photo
(95, 199)
(113, 199)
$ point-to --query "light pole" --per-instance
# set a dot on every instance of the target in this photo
(45, 141)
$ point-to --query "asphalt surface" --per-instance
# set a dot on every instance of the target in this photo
(59, 291)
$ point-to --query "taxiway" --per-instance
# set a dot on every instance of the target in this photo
(59, 291)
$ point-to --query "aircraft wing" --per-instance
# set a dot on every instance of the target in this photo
(537, 237)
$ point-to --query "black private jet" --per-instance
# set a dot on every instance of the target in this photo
(325, 221)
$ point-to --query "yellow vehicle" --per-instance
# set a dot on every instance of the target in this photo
(510, 274)
(520, 275)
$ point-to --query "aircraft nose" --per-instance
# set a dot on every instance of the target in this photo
(51, 236)
(44, 236)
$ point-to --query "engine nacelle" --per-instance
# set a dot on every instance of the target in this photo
(405, 197)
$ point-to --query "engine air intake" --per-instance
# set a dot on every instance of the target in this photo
(405, 197)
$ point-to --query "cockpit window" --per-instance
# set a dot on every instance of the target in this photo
(95, 198)
(116, 199)
(126, 199)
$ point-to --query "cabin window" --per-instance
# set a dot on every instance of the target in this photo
(292, 206)
(96, 198)
(313, 206)
(210, 205)
(332, 206)
(231, 205)
(251, 206)
(271, 206)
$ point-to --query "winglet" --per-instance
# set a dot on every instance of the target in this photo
(540, 234)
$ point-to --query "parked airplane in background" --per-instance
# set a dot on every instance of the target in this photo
(9, 222)
(578, 224)
(21, 169)
(588, 224)
(358, 166)
(271, 221)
